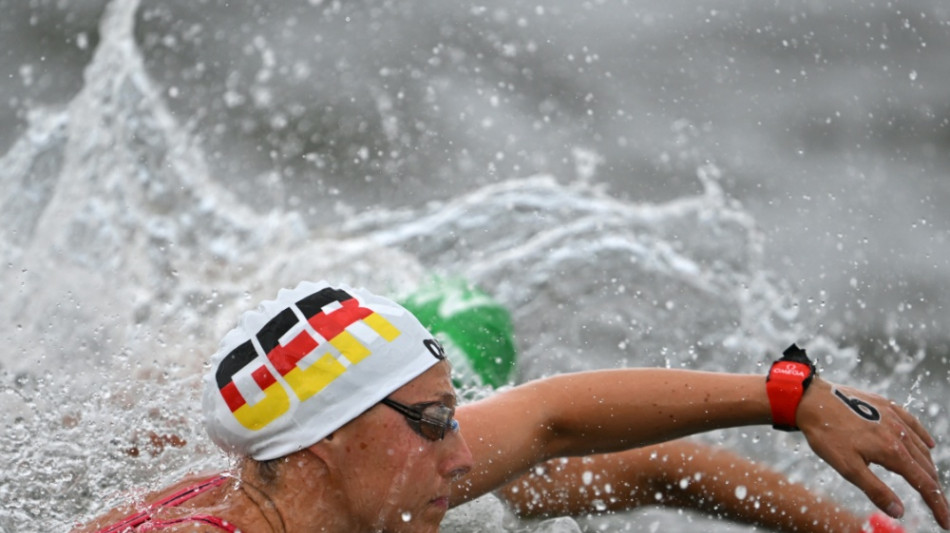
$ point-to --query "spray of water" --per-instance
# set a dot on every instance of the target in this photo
(124, 262)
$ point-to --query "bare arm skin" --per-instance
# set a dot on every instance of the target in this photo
(679, 474)
(614, 410)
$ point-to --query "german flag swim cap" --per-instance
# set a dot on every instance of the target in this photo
(301, 366)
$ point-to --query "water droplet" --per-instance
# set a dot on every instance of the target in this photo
(587, 477)
(741, 492)
(406, 516)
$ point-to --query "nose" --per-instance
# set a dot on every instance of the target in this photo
(458, 460)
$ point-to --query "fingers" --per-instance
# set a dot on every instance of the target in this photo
(921, 455)
(935, 499)
(915, 439)
(910, 458)
(923, 480)
(877, 491)
(915, 425)
(938, 504)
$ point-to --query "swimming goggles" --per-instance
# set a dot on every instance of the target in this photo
(429, 419)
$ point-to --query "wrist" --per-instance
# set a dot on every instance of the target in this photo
(788, 380)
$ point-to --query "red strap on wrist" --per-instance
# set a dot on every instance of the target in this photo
(881, 523)
(785, 387)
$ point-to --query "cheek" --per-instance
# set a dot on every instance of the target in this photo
(387, 460)
(401, 462)
(380, 452)
(414, 465)
(368, 442)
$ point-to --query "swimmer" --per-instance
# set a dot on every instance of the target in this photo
(340, 408)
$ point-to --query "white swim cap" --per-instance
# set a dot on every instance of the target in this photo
(301, 366)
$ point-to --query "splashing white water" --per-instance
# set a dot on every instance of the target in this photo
(125, 261)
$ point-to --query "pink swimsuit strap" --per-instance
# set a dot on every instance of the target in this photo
(148, 523)
(155, 525)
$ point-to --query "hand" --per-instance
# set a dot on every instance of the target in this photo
(851, 429)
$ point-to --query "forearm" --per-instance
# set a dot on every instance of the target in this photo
(677, 474)
(718, 482)
(608, 411)
(598, 412)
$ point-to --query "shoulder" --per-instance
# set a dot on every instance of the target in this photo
(193, 523)
(523, 402)
(193, 492)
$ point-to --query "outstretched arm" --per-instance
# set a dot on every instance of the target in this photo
(681, 474)
(613, 410)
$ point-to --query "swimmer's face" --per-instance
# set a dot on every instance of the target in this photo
(395, 479)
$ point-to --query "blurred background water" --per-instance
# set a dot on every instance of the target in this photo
(680, 183)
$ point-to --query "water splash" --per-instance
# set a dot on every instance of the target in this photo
(125, 261)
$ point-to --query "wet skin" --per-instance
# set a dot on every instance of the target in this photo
(391, 478)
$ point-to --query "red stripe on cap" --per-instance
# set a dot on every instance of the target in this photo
(285, 358)
(263, 377)
(329, 325)
(232, 396)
